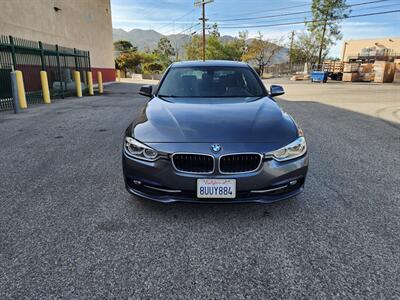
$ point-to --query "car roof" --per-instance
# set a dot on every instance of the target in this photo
(208, 63)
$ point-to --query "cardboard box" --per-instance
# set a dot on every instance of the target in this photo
(350, 67)
(384, 71)
(380, 65)
(397, 65)
(367, 77)
(396, 78)
(350, 77)
(365, 68)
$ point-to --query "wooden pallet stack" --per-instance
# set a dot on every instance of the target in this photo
(379, 72)
(366, 72)
(396, 77)
(384, 71)
(350, 72)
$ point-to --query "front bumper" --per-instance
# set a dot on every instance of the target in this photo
(159, 181)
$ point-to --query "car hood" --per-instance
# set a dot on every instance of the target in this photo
(229, 120)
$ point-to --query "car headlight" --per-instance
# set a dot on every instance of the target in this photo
(138, 150)
(295, 149)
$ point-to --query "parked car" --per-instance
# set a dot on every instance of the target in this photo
(211, 132)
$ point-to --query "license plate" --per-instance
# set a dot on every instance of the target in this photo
(216, 188)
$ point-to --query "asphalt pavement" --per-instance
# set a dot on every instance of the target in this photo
(68, 228)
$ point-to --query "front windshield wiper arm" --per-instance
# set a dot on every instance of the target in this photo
(166, 96)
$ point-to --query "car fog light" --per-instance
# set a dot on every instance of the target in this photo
(293, 182)
(137, 182)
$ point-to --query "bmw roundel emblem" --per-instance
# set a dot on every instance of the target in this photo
(216, 148)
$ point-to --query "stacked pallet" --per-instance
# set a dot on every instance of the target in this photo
(380, 72)
(350, 72)
(384, 71)
(396, 77)
(366, 72)
(299, 77)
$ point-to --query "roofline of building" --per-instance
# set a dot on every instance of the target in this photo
(375, 38)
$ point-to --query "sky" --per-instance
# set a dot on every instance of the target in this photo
(181, 16)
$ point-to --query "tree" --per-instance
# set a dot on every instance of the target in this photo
(216, 48)
(164, 52)
(326, 15)
(137, 62)
(237, 48)
(128, 61)
(164, 47)
(213, 31)
(232, 50)
(193, 48)
(262, 51)
(124, 46)
(152, 67)
(305, 49)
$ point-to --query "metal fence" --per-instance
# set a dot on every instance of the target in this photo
(284, 69)
(31, 57)
(389, 56)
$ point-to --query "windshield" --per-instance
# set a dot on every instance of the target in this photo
(211, 82)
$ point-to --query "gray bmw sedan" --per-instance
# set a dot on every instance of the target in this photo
(212, 133)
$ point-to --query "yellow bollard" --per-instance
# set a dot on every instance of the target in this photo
(100, 81)
(118, 75)
(21, 89)
(45, 87)
(78, 84)
(90, 83)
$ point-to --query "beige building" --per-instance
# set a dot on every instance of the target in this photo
(378, 47)
(82, 24)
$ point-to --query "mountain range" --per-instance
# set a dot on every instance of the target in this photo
(148, 39)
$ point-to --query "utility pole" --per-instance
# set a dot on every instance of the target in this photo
(290, 52)
(203, 19)
(203, 3)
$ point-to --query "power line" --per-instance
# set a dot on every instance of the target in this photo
(302, 18)
(182, 37)
(262, 17)
(295, 13)
(176, 19)
(269, 10)
(173, 31)
(311, 21)
(188, 28)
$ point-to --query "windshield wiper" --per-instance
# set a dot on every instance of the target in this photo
(167, 96)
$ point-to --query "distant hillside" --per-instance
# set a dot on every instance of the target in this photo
(138, 37)
(149, 38)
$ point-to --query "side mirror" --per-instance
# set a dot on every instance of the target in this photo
(276, 90)
(146, 90)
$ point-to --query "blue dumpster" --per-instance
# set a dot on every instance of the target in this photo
(319, 76)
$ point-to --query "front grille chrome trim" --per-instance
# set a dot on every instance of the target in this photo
(240, 153)
(269, 190)
(192, 153)
(161, 190)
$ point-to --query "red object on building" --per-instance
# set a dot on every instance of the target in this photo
(108, 74)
